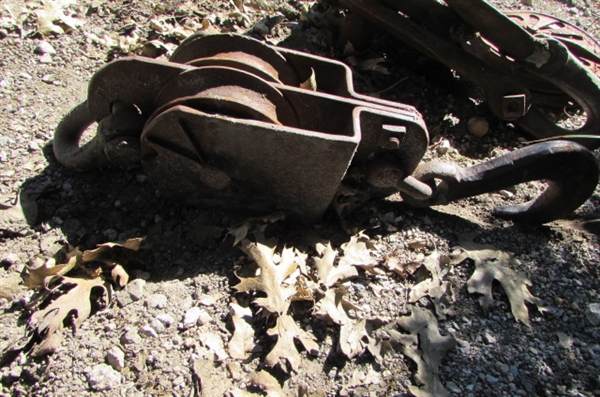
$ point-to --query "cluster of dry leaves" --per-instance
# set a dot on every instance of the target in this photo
(275, 279)
(271, 281)
(44, 17)
(65, 301)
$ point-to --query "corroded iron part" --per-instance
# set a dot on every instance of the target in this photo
(570, 170)
(221, 133)
(520, 60)
(224, 135)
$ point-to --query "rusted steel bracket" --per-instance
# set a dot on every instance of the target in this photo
(521, 60)
(233, 122)
(227, 122)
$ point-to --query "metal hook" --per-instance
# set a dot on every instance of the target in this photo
(570, 170)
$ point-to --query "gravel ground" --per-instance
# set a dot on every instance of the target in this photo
(159, 336)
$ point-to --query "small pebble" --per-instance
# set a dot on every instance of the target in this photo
(44, 47)
(130, 337)
(488, 338)
(48, 78)
(166, 319)
(592, 313)
(478, 126)
(158, 326)
(453, 388)
(157, 301)
(116, 358)
(46, 59)
(491, 379)
(103, 377)
(149, 331)
(193, 317)
(136, 289)
(444, 146)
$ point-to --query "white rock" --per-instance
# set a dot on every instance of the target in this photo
(116, 358)
(136, 289)
(158, 301)
(158, 326)
(489, 338)
(131, 336)
(44, 47)
(195, 316)
(444, 146)
(103, 377)
(149, 331)
(592, 313)
(166, 319)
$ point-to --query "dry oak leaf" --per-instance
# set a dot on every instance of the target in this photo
(333, 307)
(109, 252)
(426, 347)
(215, 344)
(267, 383)
(329, 274)
(352, 338)
(73, 307)
(39, 277)
(270, 278)
(286, 330)
(492, 264)
(54, 11)
(240, 231)
(241, 343)
(357, 252)
(439, 290)
(402, 269)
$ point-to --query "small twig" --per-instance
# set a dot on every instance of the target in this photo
(392, 86)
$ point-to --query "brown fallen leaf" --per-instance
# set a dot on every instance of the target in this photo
(71, 308)
(39, 277)
(439, 290)
(107, 252)
(357, 252)
(240, 231)
(242, 341)
(271, 277)
(353, 338)
(119, 276)
(55, 18)
(267, 383)
(402, 269)
(209, 380)
(492, 264)
(426, 347)
(287, 331)
(329, 274)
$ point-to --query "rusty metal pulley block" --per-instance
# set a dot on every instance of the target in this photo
(231, 121)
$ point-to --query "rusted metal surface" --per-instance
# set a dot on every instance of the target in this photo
(227, 122)
(520, 60)
(238, 130)
(570, 170)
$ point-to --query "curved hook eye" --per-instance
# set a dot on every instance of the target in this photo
(570, 170)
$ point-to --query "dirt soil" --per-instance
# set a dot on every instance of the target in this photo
(188, 260)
